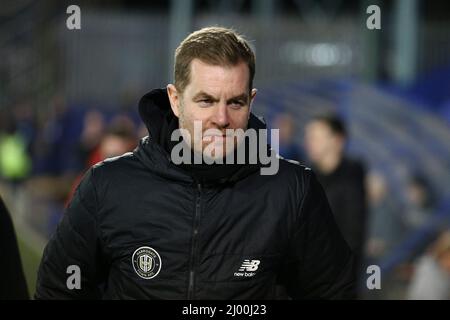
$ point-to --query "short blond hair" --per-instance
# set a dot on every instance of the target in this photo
(215, 46)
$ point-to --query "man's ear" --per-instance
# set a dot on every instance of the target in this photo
(174, 99)
(252, 97)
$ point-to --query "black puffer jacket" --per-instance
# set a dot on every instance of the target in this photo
(140, 227)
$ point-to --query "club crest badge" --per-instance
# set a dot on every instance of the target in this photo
(146, 262)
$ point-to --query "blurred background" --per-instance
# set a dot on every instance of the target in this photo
(68, 99)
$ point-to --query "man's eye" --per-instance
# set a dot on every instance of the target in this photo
(237, 104)
(205, 102)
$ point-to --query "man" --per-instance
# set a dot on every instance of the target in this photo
(342, 178)
(142, 227)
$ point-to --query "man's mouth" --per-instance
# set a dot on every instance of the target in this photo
(215, 138)
(211, 135)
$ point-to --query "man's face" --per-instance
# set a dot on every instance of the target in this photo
(320, 141)
(218, 97)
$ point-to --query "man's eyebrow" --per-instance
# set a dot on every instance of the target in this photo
(204, 95)
(242, 96)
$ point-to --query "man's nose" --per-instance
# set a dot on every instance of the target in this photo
(221, 118)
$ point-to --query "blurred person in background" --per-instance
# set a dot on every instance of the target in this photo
(288, 148)
(15, 161)
(12, 282)
(420, 201)
(118, 139)
(385, 225)
(385, 229)
(100, 141)
(417, 214)
(431, 276)
(342, 178)
(91, 137)
(25, 119)
(51, 146)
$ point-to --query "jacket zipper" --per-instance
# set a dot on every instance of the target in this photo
(192, 263)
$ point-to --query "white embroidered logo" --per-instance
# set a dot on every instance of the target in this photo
(248, 268)
(248, 265)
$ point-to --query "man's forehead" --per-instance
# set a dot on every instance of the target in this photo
(198, 63)
(215, 78)
(229, 95)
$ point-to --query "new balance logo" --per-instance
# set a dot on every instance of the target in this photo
(248, 268)
(248, 265)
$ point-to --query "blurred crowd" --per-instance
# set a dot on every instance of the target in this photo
(47, 153)
(374, 226)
